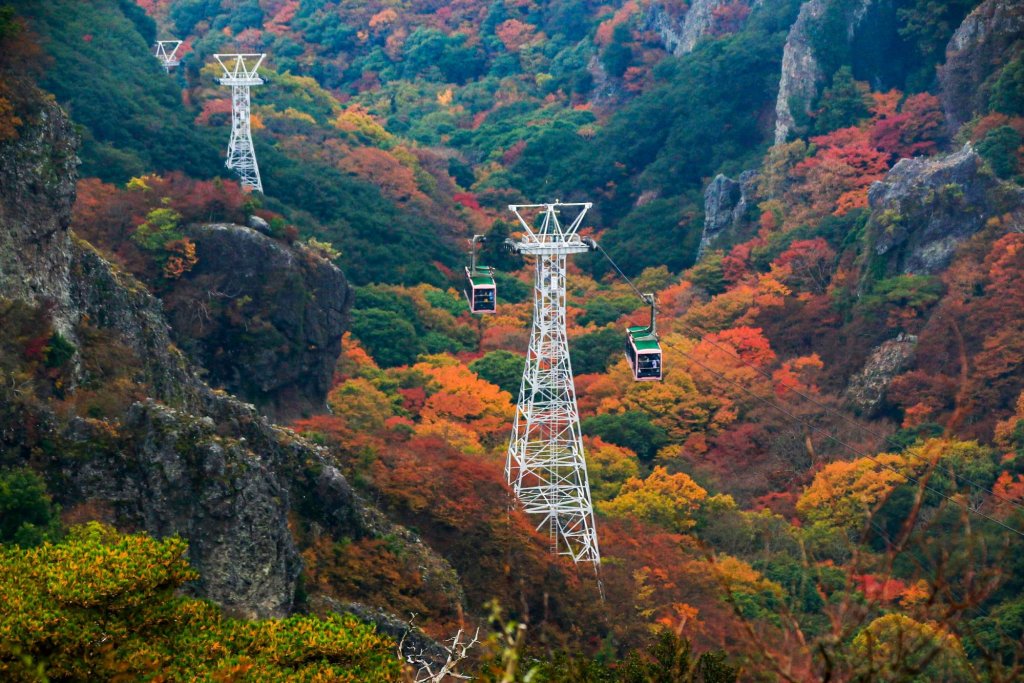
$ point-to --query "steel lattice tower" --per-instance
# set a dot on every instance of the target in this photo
(545, 465)
(169, 59)
(240, 76)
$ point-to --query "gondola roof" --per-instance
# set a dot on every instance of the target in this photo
(642, 338)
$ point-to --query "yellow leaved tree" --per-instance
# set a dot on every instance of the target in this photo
(100, 606)
(668, 500)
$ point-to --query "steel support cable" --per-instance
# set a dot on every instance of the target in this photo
(852, 449)
(816, 402)
(621, 274)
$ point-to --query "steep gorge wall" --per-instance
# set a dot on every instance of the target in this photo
(987, 39)
(802, 76)
(187, 460)
(36, 193)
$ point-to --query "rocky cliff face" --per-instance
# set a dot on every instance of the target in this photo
(187, 460)
(680, 35)
(986, 40)
(725, 205)
(115, 302)
(264, 319)
(169, 472)
(802, 75)
(925, 207)
(36, 193)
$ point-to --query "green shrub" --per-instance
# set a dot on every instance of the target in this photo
(101, 606)
(28, 516)
(502, 368)
(632, 429)
(999, 148)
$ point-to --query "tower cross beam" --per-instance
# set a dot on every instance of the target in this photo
(240, 69)
(551, 236)
(167, 53)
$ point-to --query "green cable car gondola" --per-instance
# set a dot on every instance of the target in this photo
(481, 291)
(643, 350)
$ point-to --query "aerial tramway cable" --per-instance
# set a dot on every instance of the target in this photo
(643, 348)
(828, 411)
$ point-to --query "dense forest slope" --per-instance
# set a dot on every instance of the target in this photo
(825, 195)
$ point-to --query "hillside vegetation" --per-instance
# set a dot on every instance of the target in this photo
(828, 484)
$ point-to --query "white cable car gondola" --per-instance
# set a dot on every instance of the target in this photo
(643, 351)
(481, 291)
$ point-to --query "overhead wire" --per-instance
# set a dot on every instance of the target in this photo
(827, 434)
(980, 610)
(867, 430)
(629, 282)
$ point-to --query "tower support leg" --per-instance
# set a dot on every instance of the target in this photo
(241, 155)
(545, 466)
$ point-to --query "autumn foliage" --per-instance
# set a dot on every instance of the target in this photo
(103, 605)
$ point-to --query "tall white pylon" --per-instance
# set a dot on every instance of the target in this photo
(545, 465)
(167, 53)
(241, 76)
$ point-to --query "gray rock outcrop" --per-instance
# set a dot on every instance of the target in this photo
(605, 90)
(926, 207)
(258, 224)
(802, 75)
(867, 388)
(37, 191)
(726, 202)
(680, 34)
(987, 39)
(263, 318)
(173, 474)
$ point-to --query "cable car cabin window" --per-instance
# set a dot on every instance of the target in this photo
(630, 352)
(648, 366)
(484, 300)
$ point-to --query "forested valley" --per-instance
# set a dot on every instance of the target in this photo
(262, 436)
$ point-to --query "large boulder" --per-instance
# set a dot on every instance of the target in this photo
(726, 202)
(867, 388)
(987, 39)
(264, 319)
(926, 207)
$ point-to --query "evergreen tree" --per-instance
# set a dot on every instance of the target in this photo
(842, 104)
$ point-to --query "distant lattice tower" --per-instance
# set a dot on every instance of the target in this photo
(545, 465)
(240, 72)
(167, 53)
